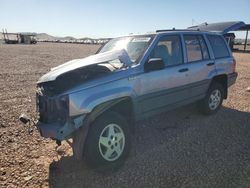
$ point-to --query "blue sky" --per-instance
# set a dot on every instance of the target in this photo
(111, 18)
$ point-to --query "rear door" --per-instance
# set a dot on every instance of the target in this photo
(200, 64)
(224, 61)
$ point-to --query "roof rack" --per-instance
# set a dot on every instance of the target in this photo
(163, 30)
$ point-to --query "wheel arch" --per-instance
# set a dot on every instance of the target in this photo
(124, 106)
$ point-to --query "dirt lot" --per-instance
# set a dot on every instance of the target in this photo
(180, 148)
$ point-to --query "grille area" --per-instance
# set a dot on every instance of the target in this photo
(51, 109)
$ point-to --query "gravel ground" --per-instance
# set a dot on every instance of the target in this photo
(180, 148)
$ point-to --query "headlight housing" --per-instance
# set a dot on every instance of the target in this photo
(53, 109)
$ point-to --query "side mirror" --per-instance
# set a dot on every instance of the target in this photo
(154, 64)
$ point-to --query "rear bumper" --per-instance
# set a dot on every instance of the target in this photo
(231, 79)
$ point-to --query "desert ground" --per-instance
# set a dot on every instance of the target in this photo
(180, 148)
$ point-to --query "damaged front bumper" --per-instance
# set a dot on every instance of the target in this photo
(58, 131)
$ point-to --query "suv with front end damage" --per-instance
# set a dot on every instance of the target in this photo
(96, 100)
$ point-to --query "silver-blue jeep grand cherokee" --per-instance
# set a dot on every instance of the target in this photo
(96, 100)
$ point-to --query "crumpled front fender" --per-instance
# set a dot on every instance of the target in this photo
(83, 103)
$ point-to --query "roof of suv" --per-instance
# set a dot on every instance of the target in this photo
(183, 31)
(165, 31)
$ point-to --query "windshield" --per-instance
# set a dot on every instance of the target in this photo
(134, 45)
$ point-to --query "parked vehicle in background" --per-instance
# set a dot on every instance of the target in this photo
(19, 38)
(96, 100)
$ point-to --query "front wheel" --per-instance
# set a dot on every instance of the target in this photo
(213, 100)
(108, 141)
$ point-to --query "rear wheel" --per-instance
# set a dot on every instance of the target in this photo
(108, 142)
(213, 100)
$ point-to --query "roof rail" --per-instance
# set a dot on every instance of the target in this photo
(163, 30)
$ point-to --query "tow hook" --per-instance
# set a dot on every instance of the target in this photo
(26, 120)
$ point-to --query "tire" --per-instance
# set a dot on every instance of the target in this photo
(213, 100)
(108, 142)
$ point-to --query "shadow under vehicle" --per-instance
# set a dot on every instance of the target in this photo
(180, 148)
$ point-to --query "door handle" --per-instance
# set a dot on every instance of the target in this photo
(183, 70)
(210, 64)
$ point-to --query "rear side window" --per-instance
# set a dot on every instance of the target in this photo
(196, 48)
(219, 46)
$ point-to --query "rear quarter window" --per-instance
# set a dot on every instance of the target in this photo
(219, 46)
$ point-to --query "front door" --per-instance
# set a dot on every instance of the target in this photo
(165, 87)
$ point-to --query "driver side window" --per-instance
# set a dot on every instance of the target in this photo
(169, 49)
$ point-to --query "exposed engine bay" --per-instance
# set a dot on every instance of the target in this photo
(73, 78)
(55, 109)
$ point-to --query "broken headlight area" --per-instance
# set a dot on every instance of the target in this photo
(52, 109)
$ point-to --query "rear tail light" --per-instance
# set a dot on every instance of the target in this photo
(234, 65)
